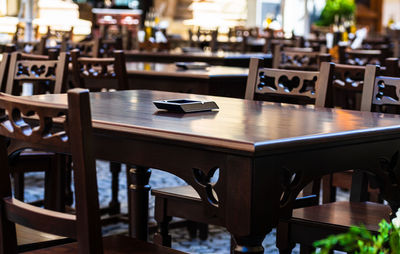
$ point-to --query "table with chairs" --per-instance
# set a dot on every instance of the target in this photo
(294, 123)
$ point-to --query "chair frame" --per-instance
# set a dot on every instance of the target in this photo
(85, 226)
(82, 68)
(26, 64)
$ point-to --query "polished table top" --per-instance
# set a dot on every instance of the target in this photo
(217, 55)
(241, 126)
(214, 58)
(164, 69)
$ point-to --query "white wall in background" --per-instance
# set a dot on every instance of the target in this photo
(391, 9)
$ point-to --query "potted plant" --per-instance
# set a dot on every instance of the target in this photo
(336, 8)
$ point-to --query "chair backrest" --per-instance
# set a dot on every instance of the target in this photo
(99, 69)
(60, 34)
(361, 56)
(94, 48)
(37, 68)
(298, 58)
(73, 136)
(300, 87)
(380, 91)
(345, 86)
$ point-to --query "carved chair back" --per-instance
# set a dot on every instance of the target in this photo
(43, 71)
(380, 93)
(60, 34)
(203, 37)
(270, 43)
(298, 58)
(299, 87)
(94, 48)
(73, 135)
(361, 57)
(347, 81)
(101, 70)
(345, 86)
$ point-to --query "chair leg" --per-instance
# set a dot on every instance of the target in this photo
(162, 236)
(55, 183)
(19, 179)
(306, 249)
(203, 231)
(283, 242)
(192, 229)
(69, 195)
(328, 192)
(114, 205)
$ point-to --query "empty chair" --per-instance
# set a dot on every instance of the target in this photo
(45, 73)
(73, 137)
(334, 218)
(100, 70)
(361, 56)
(99, 74)
(298, 58)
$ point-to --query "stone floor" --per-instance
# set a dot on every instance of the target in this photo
(218, 241)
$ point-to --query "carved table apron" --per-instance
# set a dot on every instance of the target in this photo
(257, 176)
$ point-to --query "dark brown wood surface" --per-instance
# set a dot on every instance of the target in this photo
(266, 153)
(231, 126)
(216, 58)
(214, 80)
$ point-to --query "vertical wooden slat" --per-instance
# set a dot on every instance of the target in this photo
(87, 205)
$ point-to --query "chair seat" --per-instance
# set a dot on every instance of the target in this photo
(29, 239)
(31, 161)
(343, 214)
(114, 244)
(186, 192)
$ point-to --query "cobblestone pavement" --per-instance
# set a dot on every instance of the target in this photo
(217, 242)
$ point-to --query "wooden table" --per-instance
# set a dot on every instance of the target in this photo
(214, 80)
(263, 151)
(219, 58)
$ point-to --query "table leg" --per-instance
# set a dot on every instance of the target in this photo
(114, 205)
(248, 244)
(138, 196)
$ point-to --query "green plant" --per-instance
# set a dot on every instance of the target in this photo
(360, 240)
(341, 8)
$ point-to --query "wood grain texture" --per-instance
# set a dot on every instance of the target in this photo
(224, 59)
(231, 127)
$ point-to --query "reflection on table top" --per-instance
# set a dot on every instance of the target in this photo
(218, 55)
(160, 69)
(242, 126)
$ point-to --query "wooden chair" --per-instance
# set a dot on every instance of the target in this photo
(334, 218)
(361, 56)
(298, 58)
(16, 68)
(100, 70)
(203, 38)
(97, 74)
(184, 202)
(345, 90)
(74, 137)
(37, 69)
(93, 48)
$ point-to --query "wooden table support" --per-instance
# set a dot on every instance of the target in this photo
(250, 244)
(138, 193)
